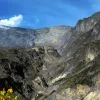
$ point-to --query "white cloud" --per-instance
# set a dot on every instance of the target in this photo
(13, 21)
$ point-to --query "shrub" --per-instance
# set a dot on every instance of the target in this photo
(8, 95)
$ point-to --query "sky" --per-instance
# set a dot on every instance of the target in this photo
(45, 13)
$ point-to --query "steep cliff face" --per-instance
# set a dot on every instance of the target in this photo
(87, 24)
(18, 67)
(22, 69)
(55, 36)
(82, 27)
(20, 37)
(79, 70)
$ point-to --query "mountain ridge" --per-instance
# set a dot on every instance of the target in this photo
(56, 36)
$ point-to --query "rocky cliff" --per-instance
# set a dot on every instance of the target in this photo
(41, 73)
(20, 37)
(86, 24)
(23, 70)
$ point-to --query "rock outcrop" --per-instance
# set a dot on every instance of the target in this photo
(88, 23)
(21, 69)
(18, 67)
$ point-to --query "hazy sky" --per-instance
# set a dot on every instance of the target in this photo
(45, 13)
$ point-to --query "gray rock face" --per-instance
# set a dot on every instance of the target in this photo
(12, 37)
(20, 37)
(88, 23)
(22, 68)
(80, 66)
(83, 59)
(18, 68)
(82, 27)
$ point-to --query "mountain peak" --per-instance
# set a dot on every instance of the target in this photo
(96, 14)
(87, 24)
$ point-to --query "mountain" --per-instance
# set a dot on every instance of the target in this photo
(88, 23)
(82, 27)
(62, 62)
(23, 68)
(20, 37)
